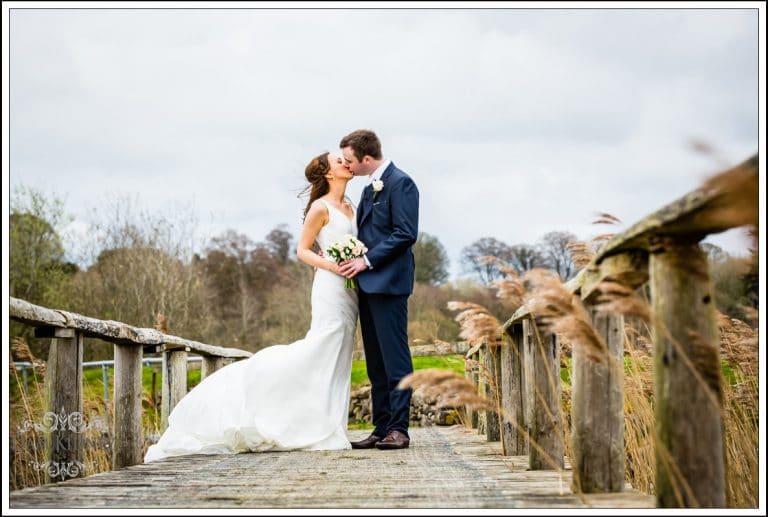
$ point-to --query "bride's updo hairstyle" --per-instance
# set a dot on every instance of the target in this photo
(318, 183)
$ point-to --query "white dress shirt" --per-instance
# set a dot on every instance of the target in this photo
(376, 175)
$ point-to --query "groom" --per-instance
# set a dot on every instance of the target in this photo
(387, 221)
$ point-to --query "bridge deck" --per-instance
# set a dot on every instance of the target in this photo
(446, 467)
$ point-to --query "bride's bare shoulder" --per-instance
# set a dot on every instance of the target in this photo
(318, 212)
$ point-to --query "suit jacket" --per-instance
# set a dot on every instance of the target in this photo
(389, 226)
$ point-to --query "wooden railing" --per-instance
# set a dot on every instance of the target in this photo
(64, 379)
(661, 250)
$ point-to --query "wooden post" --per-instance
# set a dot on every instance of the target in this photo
(174, 382)
(597, 411)
(128, 442)
(493, 366)
(690, 451)
(64, 419)
(475, 416)
(482, 416)
(528, 394)
(513, 436)
(467, 411)
(210, 365)
(544, 397)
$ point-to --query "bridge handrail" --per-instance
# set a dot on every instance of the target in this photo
(113, 331)
(699, 213)
(662, 251)
(64, 378)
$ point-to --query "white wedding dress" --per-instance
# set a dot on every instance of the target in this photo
(284, 397)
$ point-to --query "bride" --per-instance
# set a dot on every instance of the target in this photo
(284, 397)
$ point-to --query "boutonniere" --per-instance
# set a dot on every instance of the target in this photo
(377, 186)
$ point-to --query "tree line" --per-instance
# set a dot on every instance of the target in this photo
(139, 267)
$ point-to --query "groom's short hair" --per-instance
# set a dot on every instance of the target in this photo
(363, 142)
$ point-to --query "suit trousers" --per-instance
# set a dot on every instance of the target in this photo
(384, 325)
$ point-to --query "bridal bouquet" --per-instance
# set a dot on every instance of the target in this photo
(345, 249)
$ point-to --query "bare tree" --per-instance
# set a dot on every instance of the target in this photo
(279, 243)
(554, 249)
(524, 257)
(229, 273)
(472, 258)
(143, 265)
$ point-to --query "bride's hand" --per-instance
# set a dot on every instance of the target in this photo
(334, 268)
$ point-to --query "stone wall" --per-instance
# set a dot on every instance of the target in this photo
(419, 350)
(423, 411)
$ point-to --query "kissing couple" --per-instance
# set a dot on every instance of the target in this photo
(296, 396)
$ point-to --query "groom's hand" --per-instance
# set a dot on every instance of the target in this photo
(350, 268)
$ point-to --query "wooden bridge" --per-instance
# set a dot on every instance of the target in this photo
(516, 456)
(447, 467)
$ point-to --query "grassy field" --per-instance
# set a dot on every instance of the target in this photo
(449, 362)
(93, 379)
(31, 407)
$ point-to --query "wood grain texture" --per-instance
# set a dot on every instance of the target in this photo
(128, 437)
(174, 383)
(112, 331)
(690, 452)
(597, 410)
(513, 430)
(64, 420)
(542, 377)
(445, 467)
(492, 393)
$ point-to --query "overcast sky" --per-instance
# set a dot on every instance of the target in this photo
(513, 123)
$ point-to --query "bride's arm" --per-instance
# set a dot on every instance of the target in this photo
(316, 218)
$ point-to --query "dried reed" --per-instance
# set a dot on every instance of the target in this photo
(616, 297)
(734, 195)
(450, 389)
(581, 253)
(477, 324)
(605, 218)
(557, 311)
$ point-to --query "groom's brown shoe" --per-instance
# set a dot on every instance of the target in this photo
(394, 440)
(368, 443)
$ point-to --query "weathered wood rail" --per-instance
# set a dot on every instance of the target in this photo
(661, 250)
(64, 380)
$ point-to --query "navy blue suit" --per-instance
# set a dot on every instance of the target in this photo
(388, 225)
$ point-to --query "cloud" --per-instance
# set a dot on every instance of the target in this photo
(512, 122)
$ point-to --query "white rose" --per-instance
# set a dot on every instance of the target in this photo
(377, 185)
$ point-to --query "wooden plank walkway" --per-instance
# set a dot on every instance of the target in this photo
(445, 467)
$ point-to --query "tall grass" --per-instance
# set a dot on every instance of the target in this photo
(28, 416)
(28, 427)
(738, 378)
